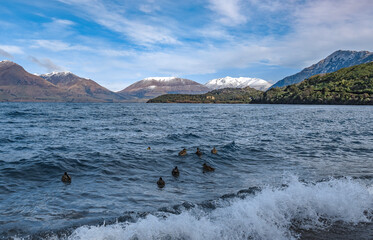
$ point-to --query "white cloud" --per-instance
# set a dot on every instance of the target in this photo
(116, 53)
(12, 49)
(322, 26)
(230, 11)
(63, 22)
(186, 61)
(57, 45)
(149, 6)
(113, 18)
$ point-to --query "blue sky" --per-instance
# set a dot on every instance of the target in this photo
(118, 42)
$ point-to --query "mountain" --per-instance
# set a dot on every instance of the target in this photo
(225, 95)
(241, 82)
(335, 61)
(81, 87)
(18, 85)
(352, 85)
(155, 86)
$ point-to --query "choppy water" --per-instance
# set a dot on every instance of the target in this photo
(282, 171)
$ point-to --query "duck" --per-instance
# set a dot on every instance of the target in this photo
(183, 152)
(199, 153)
(148, 148)
(214, 151)
(66, 178)
(207, 168)
(175, 172)
(161, 183)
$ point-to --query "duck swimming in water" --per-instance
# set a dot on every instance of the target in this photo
(214, 151)
(183, 152)
(161, 183)
(175, 172)
(148, 148)
(207, 168)
(199, 153)
(66, 178)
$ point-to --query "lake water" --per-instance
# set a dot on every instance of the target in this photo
(281, 172)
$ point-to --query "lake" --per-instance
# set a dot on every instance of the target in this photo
(281, 171)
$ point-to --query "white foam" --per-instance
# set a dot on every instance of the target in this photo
(268, 215)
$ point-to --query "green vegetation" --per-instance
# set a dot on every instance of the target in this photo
(226, 95)
(352, 85)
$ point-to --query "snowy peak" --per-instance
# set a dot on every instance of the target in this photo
(240, 82)
(57, 74)
(61, 78)
(161, 79)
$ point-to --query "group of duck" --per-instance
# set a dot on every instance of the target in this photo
(175, 172)
(66, 178)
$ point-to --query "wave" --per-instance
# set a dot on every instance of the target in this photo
(272, 213)
(230, 146)
(16, 114)
(182, 136)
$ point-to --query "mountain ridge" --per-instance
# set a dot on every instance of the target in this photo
(335, 61)
(18, 85)
(155, 86)
(81, 86)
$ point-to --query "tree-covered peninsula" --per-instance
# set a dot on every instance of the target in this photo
(352, 85)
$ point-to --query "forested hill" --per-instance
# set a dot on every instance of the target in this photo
(352, 85)
(226, 95)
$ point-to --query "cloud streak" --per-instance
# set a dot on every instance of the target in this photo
(114, 19)
(5, 54)
(58, 45)
(46, 64)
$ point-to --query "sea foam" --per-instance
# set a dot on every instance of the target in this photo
(270, 214)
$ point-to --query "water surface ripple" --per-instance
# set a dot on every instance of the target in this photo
(104, 148)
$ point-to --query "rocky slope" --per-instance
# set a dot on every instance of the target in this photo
(241, 82)
(335, 61)
(18, 85)
(155, 86)
(81, 87)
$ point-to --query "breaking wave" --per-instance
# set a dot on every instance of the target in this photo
(272, 213)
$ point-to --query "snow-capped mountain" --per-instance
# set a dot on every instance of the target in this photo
(333, 62)
(155, 86)
(241, 82)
